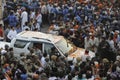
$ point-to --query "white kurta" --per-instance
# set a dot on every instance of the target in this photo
(86, 44)
(39, 21)
(24, 18)
(12, 34)
(44, 9)
(93, 43)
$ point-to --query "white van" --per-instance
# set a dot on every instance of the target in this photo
(3, 43)
(26, 40)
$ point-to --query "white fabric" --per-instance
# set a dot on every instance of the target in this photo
(52, 78)
(26, 27)
(32, 15)
(39, 18)
(118, 69)
(56, 27)
(39, 21)
(94, 41)
(44, 9)
(24, 17)
(75, 78)
(3, 51)
(111, 42)
(84, 57)
(86, 45)
(1, 22)
(12, 34)
(49, 7)
(43, 62)
(29, 1)
(118, 58)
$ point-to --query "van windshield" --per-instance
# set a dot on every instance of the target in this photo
(66, 46)
(20, 43)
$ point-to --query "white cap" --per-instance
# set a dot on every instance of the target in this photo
(71, 8)
(3, 51)
(117, 31)
(118, 58)
(79, 7)
(90, 33)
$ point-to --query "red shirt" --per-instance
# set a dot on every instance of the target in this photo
(1, 32)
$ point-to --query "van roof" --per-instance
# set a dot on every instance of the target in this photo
(40, 35)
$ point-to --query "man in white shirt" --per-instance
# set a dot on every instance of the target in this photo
(12, 33)
(86, 42)
(32, 14)
(93, 43)
(111, 43)
(43, 61)
(24, 17)
(39, 20)
(44, 12)
(26, 27)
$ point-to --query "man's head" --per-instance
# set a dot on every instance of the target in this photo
(12, 28)
(11, 12)
(0, 25)
(103, 38)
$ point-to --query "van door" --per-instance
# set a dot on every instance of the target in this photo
(36, 45)
(50, 49)
(20, 46)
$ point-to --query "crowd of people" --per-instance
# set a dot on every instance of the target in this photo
(90, 24)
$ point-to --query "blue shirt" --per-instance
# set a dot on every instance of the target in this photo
(12, 20)
(23, 76)
(78, 18)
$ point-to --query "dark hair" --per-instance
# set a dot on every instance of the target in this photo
(26, 23)
(69, 77)
(114, 68)
(88, 75)
(45, 54)
(11, 27)
(24, 71)
(0, 25)
(11, 12)
(80, 75)
(26, 29)
(10, 49)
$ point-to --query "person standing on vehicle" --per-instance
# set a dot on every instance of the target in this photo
(11, 34)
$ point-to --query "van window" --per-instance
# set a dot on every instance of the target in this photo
(38, 45)
(35, 44)
(47, 47)
(50, 49)
(20, 43)
(64, 45)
